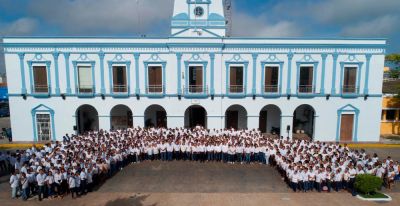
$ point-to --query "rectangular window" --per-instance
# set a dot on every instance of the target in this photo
(119, 79)
(43, 125)
(306, 80)
(271, 79)
(236, 80)
(349, 80)
(85, 79)
(155, 84)
(195, 79)
(390, 115)
(40, 79)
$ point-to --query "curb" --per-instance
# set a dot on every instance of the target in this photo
(376, 199)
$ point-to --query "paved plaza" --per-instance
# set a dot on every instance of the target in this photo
(194, 183)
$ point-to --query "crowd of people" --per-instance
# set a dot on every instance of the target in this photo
(80, 163)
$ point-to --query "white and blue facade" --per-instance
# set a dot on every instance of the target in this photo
(197, 39)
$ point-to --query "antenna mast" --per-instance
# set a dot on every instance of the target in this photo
(228, 16)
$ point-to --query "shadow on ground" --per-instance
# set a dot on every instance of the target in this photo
(136, 200)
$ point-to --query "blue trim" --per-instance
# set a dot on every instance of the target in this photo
(212, 60)
(119, 60)
(305, 61)
(196, 60)
(254, 90)
(43, 109)
(84, 62)
(366, 83)
(198, 1)
(179, 82)
(67, 73)
(322, 88)
(155, 60)
(55, 56)
(236, 60)
(350, 61)
(333, 87)
(22, 70)
(137, 56)
(38, 59)
(348, 109)
(101, 57)
(272, 60)
(289, 73)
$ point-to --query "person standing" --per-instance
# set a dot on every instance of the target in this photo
(40, 179)
(25, 186)
(14, 183)
(72, 185)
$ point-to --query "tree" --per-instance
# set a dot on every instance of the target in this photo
(368, 184)
(393, 58)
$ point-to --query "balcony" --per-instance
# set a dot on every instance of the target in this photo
(41, 89)
(306, 89)
(155, 89)
(85, 90)
(238, 89)
(271, 89)
(195, 89)
(120, 88)
(349, 89)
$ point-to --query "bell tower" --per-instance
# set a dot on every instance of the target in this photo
(198, 18)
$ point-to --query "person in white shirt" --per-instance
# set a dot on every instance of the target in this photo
(40, 179)
(14, 183)
(294, 180)
(72, 185)
(24, 186)
(50, 184)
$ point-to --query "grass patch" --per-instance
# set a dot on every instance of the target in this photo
(374, 195)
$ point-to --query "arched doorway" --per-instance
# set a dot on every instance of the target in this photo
(270, 120)
(195, 116)
(236, 117)
(121, 117)
(155, 116)
(87, 119)
(303, 122)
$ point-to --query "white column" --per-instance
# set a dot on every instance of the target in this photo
(175, 121)
(105, 122)
(215, 122)
(138, 121)
(286, 120)
(253, 121)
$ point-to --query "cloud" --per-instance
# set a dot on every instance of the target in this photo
(103, 17)
(378, 27)
(352, 11)
(245, 25)
(22, 26)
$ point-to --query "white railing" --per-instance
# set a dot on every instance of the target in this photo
(349, 89)
(271, 88)
(155, 89)
(120, 88)
(195, 89)
(38, 88)
(305, 89)
(236, 89)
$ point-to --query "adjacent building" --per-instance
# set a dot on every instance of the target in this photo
(327, 89)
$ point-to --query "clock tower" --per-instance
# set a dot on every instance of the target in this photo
(198, 18)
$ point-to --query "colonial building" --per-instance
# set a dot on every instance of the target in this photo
(327, 89)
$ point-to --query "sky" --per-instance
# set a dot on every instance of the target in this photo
(250, 18)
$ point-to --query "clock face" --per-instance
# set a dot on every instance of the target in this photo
(199, 11)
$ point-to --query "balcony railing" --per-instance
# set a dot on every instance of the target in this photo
(271, 88)
(38, 88)
(155, 89)
(85, 89)
(195, 89)
(236, 89)
(349, 89)
(120, 88)
(308, 89)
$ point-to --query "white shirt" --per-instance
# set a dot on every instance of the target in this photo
(40, 179)
(14, 182)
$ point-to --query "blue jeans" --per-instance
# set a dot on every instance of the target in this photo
(169, 156)
(248, 155)
(25, 193)
(14, 192)
(42, 191)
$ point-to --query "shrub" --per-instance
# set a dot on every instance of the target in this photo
(368, 184)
